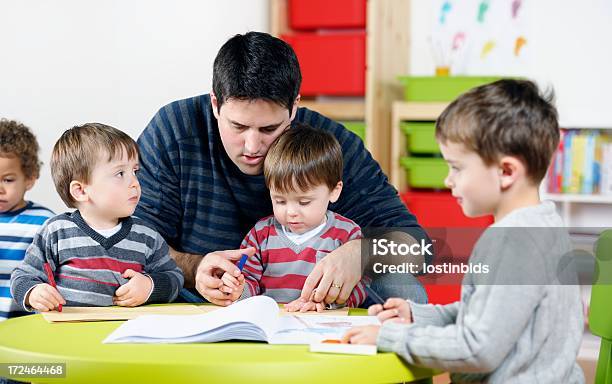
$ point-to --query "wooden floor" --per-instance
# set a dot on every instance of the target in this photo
(588, 367)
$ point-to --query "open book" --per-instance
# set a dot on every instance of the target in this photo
(254, 319)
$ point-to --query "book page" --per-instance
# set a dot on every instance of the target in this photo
(250, 319)
(298, 329)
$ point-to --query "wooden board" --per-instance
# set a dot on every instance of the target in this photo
(80, 314)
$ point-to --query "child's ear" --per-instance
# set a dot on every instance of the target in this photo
(78, 191)
(30, 183)
(510, 169)
(335, 193)
(215, 105)
(295, 107)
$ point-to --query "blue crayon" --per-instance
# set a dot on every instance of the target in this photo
(242, 261)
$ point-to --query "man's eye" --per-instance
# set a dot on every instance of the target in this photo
(281, 202)
(119, 174)
(304, 202)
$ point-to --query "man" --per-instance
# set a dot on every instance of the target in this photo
(202, 181)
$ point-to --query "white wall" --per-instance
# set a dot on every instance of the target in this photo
(68, 62)
(569, 48)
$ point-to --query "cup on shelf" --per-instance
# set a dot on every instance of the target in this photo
(442, 71)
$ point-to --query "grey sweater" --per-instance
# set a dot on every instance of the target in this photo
(516, 324)
(88, 267)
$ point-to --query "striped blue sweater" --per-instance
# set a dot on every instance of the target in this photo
(201, 202)
(88, 267)
(17, 230)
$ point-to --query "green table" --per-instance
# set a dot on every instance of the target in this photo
(31, 339)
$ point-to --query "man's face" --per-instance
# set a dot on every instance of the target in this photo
(248, 128)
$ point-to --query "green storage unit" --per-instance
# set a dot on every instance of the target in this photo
(440, 88)
(420, 136)
(357, 127)
(425, 172)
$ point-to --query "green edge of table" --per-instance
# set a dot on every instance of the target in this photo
(31, 339)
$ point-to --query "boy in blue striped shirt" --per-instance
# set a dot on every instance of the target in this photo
(19, 219)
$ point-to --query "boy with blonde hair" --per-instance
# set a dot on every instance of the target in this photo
(99, 254)
(523, 321)
(19, 219)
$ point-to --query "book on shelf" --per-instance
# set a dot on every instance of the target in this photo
(257, 318)
(581, 164)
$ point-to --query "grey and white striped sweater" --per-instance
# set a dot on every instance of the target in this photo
(88, 266)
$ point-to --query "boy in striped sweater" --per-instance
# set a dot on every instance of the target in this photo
(99, 254)
(19, 219)
(303, 171)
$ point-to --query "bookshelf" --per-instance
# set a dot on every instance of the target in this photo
(576, 198)
(386, 36)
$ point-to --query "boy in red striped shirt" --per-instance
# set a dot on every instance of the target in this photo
(303, 171)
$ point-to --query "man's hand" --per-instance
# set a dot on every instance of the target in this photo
(394, 309)
(43, 297)
(366, 334)
(208, 274)
(336, 275)
(134, 292)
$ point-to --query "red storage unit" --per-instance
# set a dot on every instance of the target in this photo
(441, 294)
(440, 209)
(436, 211)
(313, 14)
(331, 64)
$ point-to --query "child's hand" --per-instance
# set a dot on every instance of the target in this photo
(232, 286)
(134, 292)
(302, 305)
(362, 335)
(43, 297)
(394, 309)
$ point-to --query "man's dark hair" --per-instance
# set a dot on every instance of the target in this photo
(255, 66)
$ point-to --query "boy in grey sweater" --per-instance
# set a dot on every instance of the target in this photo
(522, 322)
(99, 254)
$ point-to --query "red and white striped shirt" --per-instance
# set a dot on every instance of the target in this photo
(280, 267)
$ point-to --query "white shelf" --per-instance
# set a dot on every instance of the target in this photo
(576, 198)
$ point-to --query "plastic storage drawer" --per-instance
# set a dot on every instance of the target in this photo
(313, 14)
(440, 88)
(420, 136)
(331, 64)
(440, 209)
(425, 172)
